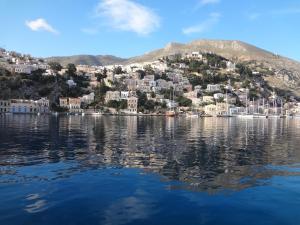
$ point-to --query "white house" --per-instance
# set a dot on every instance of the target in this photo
(213, 87)
(124, 95)
(88, 99)
(112, 96)
(218, 96)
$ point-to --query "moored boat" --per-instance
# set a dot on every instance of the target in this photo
(171, 113)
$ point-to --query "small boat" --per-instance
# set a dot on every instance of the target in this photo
(246, 116)
(171, 113)
(96, 114)
(192, 115)
(258, 115)
(225, 116)
(275, 116)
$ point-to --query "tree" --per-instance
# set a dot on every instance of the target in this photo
(101, 76)
(123, 104)
(113, 104)
(153, 95)
(142, 73)
(142, 98)
(101, 92)
(183, 101)
(148, 69)
(117, 104)
(55, 66)
(71, 69)
(149, 105)
(165, 77)
(118, 70)
(244, 71)
(195, 80)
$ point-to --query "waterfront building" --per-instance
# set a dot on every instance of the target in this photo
(5, 106)
(132, 104)
(210, 109)
(43, 105)
(29, 106)
(72, 104)
(220, 109)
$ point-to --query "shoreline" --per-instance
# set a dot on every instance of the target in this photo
(142, 114)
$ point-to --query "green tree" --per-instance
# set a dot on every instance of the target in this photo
(101, 76)
(149, 105)
(123, 104)
(113, 104)
(55, 66)
(118, 70)
(244, 71)
(71, 69)
(148, 69)
(142, 98)
(183, 101)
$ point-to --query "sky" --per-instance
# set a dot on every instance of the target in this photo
(127, 28)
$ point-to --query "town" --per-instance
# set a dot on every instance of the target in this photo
(193, 84)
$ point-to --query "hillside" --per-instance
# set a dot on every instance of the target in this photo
(233, 50)
(286, 72)
(99, 60)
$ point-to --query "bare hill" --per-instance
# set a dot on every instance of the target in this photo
(99, 60)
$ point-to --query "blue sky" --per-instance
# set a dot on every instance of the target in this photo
(128, 28)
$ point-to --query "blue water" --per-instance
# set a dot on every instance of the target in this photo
(127, 170)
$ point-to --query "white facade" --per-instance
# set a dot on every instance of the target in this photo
(124, 95)
(112, 96)
(213, 87)
(218, 96)
(88, 99)
(29, 106)
(132, 104)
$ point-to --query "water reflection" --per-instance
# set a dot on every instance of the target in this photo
(129, 209)
(206, 154)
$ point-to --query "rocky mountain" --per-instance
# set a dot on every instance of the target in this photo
(286, 72)
(233, 50)
(99, 60)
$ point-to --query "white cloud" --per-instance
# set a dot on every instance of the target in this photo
(40, 24)
(127, 15)
(204, 26)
